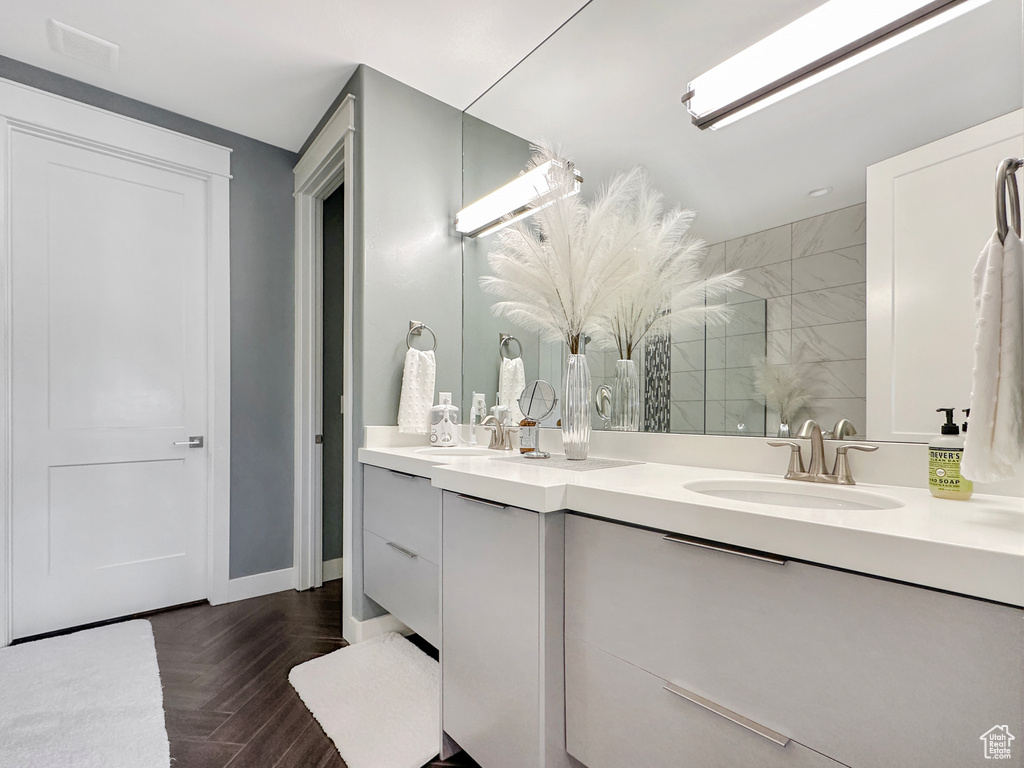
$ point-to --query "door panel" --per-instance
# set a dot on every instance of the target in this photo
(110, 370)
(88, 502)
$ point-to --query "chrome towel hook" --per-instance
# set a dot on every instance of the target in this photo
(1006, 185)
(416, 328)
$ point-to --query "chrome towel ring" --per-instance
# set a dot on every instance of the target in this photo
(505, 346)
(417, 328)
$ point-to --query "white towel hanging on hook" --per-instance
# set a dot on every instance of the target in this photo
(994, 447)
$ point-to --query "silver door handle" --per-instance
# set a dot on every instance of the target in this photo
(194, 441)
(728, 714)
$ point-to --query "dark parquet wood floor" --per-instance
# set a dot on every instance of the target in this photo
(225, 674)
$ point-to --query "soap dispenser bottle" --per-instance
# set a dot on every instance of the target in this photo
(944, 454)
(444, 422)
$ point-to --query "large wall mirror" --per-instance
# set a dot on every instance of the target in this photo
(781, 195)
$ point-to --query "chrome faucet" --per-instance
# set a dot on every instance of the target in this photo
(815, 473)
(501, 433)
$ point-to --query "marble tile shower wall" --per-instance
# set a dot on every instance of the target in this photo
(812, 275)
(713, 373)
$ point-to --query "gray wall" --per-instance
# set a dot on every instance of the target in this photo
(408, 259)
(262, 321)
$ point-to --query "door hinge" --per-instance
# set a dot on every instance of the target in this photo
(319, 439)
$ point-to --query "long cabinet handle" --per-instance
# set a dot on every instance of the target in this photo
(728, 714)
(475, 500)
(402, 474)
(402, 550)
(764, 558)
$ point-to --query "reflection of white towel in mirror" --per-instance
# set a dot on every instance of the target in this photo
(994, 448)
(511, 382)
(417, 392)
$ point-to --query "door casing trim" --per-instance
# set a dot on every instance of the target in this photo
(326, 165)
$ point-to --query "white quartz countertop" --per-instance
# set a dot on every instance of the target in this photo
(973, 547)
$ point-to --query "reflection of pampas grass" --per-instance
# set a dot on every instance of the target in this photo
(557, 271)
(664, 291)
(786, 388)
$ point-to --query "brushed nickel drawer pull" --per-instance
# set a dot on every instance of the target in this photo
(475, 500)
(403, 474)
(765, 558)
(402, 550)
(728, 714)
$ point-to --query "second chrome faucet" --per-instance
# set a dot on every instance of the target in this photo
(815, 473)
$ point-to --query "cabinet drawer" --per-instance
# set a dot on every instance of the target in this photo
(868, 672)
(406, 586)
(618, 716)
(404, 509)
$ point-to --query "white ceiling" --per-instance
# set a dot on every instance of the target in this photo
(607, 89)
(270, 68)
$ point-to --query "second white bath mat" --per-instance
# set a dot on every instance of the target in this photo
(379, 701)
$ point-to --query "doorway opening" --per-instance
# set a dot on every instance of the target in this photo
(333, 384)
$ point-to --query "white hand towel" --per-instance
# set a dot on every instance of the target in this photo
(994, 448)
(417, 392)
(511, 383)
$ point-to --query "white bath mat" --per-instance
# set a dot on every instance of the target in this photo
(379, 701)
(88, 700)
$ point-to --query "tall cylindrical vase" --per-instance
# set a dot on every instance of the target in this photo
(625, 406)
(576, 408)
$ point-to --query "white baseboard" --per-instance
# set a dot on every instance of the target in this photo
(332, 569)
(256, 585)
(356, 631)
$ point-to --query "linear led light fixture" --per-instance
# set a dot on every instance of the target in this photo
(521, 197)
(834, 36)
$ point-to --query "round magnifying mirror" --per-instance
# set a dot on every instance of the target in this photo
(537, 400)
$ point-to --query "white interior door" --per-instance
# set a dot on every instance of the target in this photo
(109, 350)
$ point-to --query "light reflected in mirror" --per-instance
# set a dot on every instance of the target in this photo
(780, 195)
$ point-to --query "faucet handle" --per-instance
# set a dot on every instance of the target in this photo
(796, 459)
(844, 476)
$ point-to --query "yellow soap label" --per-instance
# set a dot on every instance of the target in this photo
(944, 470)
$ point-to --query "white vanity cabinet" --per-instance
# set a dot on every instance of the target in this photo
(501, 655)
(402, 547)
(669, 643)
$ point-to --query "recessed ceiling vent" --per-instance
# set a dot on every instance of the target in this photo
(82, 46)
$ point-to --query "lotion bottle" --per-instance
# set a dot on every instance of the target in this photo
(944, 454)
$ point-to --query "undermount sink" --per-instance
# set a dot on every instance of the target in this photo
(460, 450)
(792, 493)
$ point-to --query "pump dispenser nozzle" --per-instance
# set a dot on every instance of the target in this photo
(967, 415)
(950, 427)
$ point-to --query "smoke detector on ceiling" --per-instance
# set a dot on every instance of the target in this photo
(82, 46)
